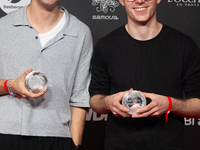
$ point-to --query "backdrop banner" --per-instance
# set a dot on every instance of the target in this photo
(103, 16)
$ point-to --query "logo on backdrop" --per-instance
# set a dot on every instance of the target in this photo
(104, 7)
(14, 1)
(11, 5)
(192, 121)
(185, 3)
(93, 116)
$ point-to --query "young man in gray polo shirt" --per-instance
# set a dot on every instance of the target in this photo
(44, 37)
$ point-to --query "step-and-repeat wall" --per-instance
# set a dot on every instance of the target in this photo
(103, 16)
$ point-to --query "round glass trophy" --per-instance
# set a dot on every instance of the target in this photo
(36, 82)
(133, 100)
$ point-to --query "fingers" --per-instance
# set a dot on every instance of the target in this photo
(148, 95)
(130, 89)
(28, 94)
(156, 108)
(120, 110)
(119, 113)
(113, 104)
(18, 86)
(27, 72)
(149, 110)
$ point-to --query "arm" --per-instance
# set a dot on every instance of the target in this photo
(97, 102)
(2, 90)
(189, 108)
(105, 104)
(186, 108)
(18, 86)
(77, 124)
(80, 96)
(191, 87)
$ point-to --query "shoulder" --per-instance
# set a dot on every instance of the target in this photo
(107, 44)
(115, 33)
(78, 24)
(8, 18)
(179, 40)
(13, 17)
(183, 43)
(112, 38)
(74, 26)
(175, 34)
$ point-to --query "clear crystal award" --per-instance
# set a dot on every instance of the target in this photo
(133, 100)
(36, 82)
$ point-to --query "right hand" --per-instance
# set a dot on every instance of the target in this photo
(113, 104)
(18, 86)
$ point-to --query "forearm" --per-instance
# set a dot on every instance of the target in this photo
(77, 124)
(97, 102)
(186, 108)
(2, 89)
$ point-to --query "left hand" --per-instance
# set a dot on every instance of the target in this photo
(156, 108)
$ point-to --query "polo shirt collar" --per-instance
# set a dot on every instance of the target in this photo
(69, 28)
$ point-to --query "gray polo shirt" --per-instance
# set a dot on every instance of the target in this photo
(65, 60)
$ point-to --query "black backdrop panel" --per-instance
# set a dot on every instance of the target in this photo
(103, 16)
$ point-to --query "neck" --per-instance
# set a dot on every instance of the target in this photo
(41, 18)
(143, 31)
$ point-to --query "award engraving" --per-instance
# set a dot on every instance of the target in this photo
(133, 100)
(36, 82)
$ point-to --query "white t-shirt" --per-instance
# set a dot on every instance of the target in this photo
(45, 37)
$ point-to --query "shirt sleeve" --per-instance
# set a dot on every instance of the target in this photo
(191, 75)
(100, 81)
(80, 95)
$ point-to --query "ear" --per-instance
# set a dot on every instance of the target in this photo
(121, 2)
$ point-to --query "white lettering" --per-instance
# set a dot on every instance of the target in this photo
(179, 5)
(184, 1)
(189, 121)
(93, 116)
(11, 7)
(101, 117)
(104, 17)
(192, 5)
(89, 114)
(177, 1)
(199, 122)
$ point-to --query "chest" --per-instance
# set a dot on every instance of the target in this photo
(146, 67)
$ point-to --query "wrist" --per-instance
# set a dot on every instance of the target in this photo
(106, 99)
(11, 84)
(5, 86)
(8, 88)
(169, 108)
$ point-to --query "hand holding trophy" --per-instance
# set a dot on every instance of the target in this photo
(36, 82)
(133, 100)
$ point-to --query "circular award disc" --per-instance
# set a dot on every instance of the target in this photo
(36, 82)
(133, 100)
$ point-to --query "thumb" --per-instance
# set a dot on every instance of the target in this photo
(124, 92)
(27, 72)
